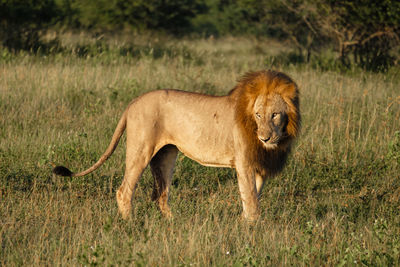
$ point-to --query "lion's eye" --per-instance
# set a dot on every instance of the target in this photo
(274, 115)
(258, 115)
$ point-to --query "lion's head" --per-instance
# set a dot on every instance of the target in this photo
(267, 112)
(270, 115)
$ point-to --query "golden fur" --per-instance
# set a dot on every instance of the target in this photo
(250, 129)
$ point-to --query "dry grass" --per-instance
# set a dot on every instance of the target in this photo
(336, 203)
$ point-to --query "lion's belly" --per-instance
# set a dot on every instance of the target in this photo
(209, 158)
(199, 126)
(210, 146)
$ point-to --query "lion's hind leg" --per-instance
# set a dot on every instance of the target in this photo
(137, 158)
(162, 167)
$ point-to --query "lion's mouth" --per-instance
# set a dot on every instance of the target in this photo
(264, 139)
(268, 142)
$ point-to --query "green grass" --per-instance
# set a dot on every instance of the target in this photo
(336, 203)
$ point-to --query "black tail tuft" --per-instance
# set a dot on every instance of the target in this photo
(61, 170)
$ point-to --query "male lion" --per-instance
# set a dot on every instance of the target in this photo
(250, 129)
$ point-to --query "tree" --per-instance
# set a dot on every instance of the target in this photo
(296, 21)
(364, 32)
(173, 16)
(369, 30)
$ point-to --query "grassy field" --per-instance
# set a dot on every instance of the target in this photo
(336, 203)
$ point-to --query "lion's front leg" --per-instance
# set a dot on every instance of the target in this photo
(260, 180)
(248, 192)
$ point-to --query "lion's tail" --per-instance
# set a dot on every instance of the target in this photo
(63, 171)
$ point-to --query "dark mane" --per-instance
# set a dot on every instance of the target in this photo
(249, 87)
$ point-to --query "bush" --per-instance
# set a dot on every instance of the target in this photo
(23, 22)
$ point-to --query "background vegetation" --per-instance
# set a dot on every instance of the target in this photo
(336, 203)
(361, 32)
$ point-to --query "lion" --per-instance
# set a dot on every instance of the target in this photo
(250, 129)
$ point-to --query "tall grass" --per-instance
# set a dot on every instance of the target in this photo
(336, 203)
